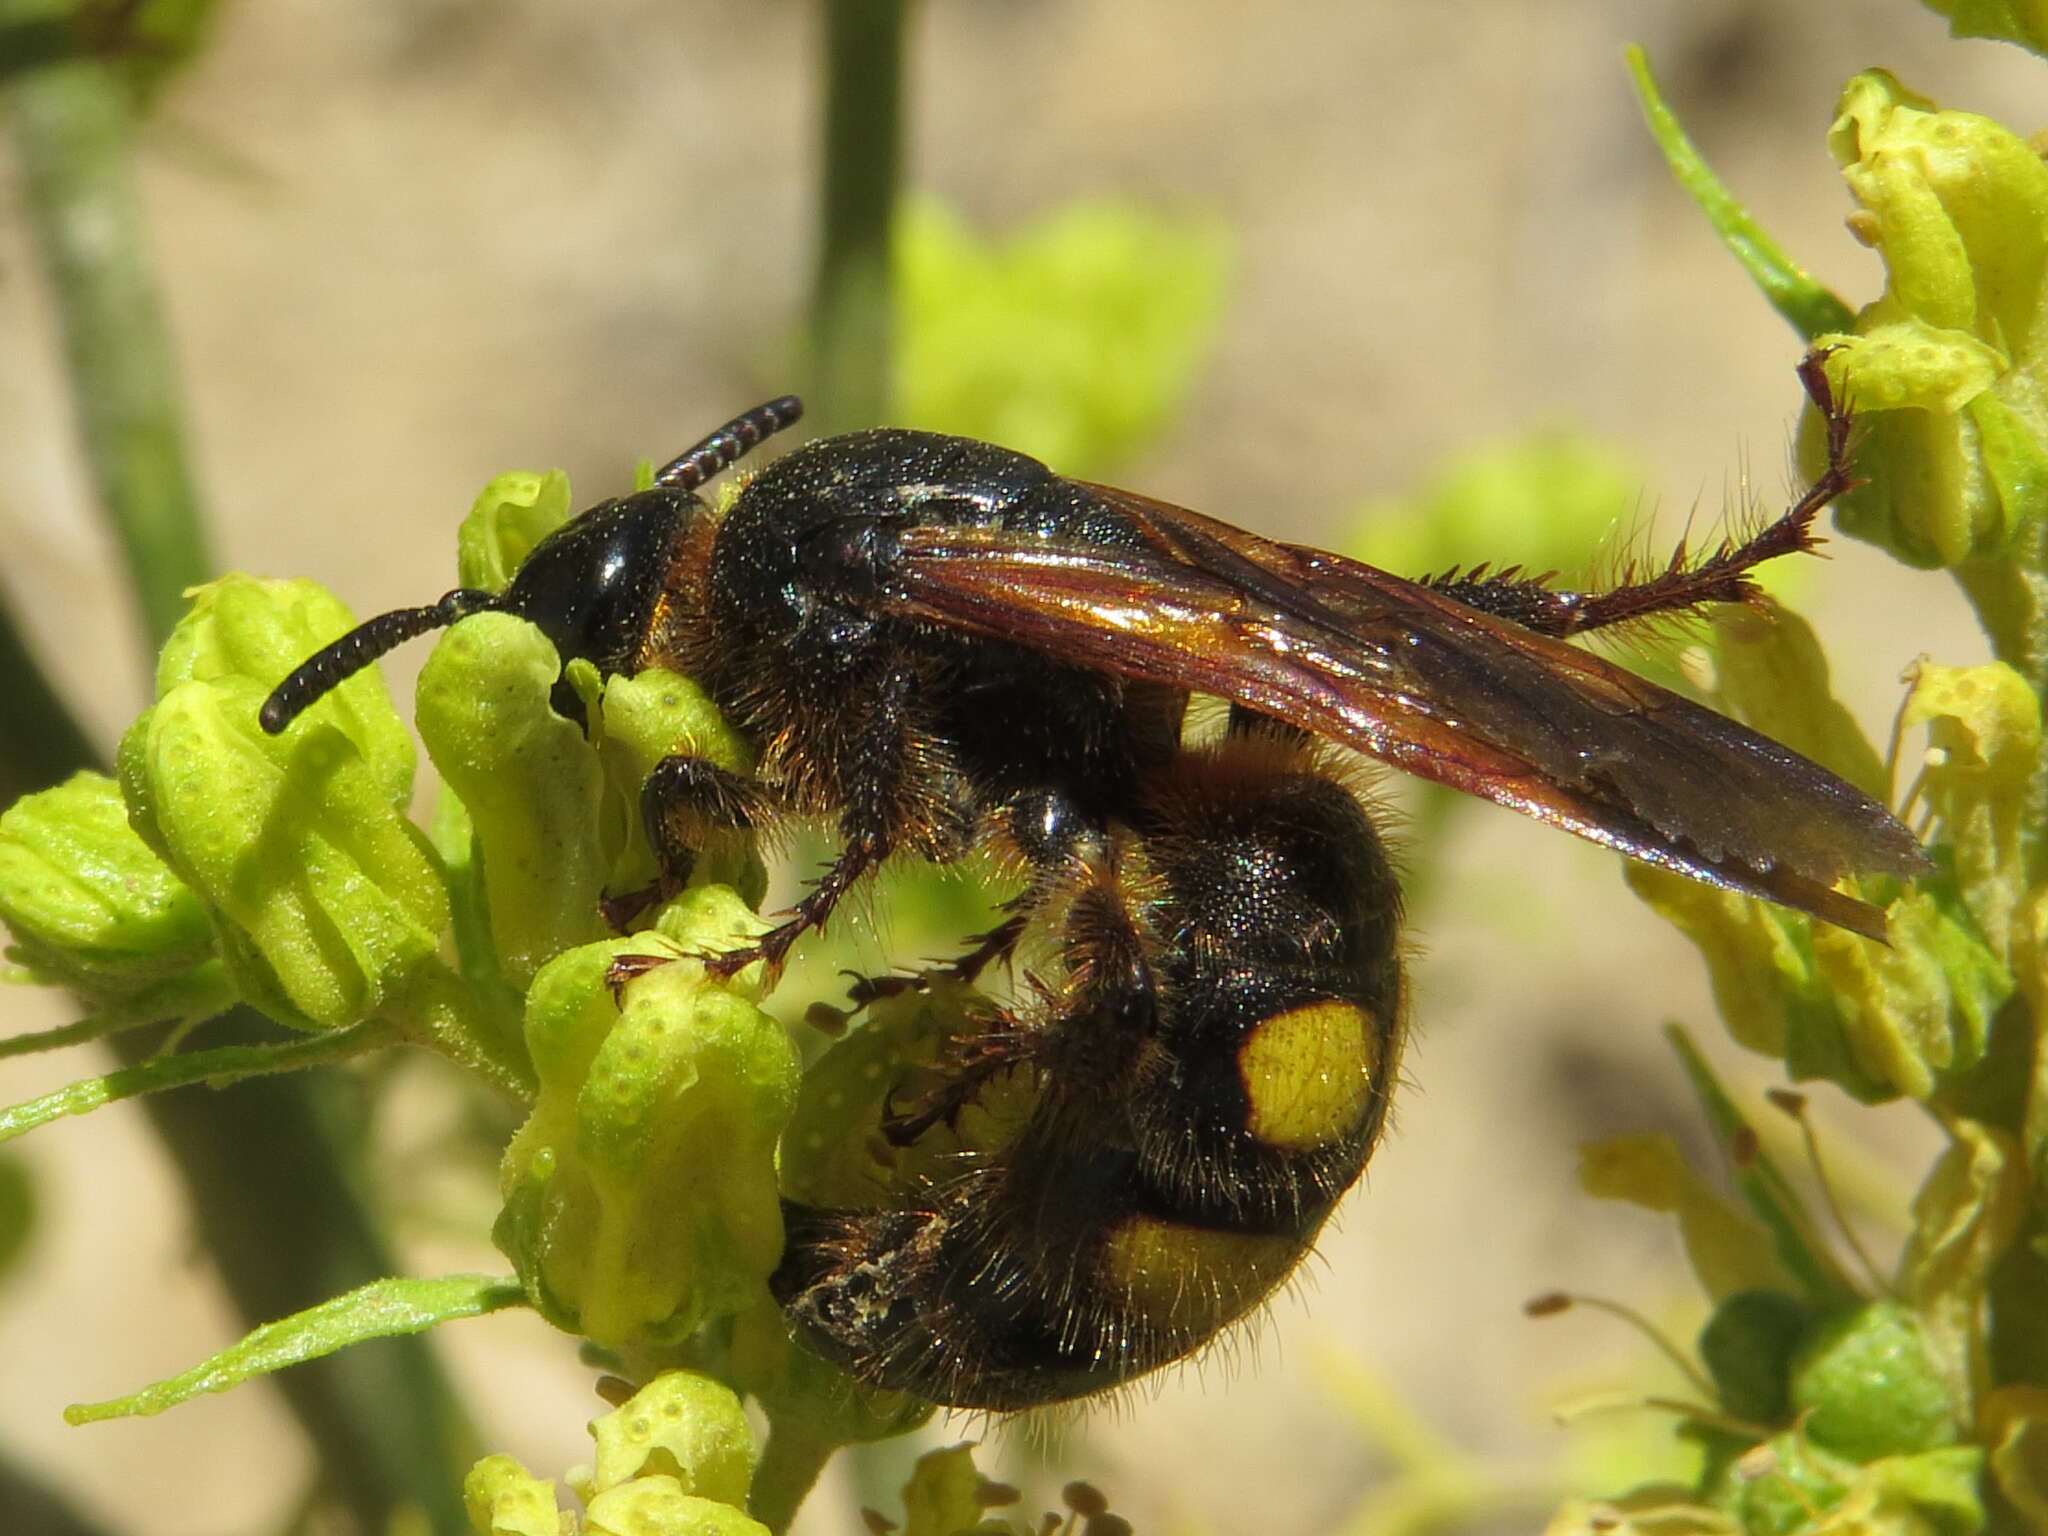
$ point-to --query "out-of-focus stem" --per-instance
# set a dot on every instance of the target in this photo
(73, 136)
(790, 1464)
(1810, 308)
(852, 311)
(270, 1197)
(36, 1509)
(45, 743)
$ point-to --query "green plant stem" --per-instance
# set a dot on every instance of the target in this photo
(852, 309)
(73, 136)
(790, 1464)
(380, 1310)
(200, 994)
(217, 1068)
(1808, 306)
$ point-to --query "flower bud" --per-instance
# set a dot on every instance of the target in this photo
(329, 905)
(680, 1425)
(509, 516)
(1984, 743)
(1942, 368)
(1867, 1387)
(656, 1506)
(531, 783)
(644, 719)
(640, 1197)
(504, 1499)
(89, 905)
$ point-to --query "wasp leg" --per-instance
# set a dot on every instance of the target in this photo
(976, 1061)
(1685, 583)
(840, 877)
(894, 777)
(995, 946)
(684, 803)
(625, 967)
(1094, 1029)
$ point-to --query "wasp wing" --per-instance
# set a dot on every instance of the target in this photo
(1420, 681)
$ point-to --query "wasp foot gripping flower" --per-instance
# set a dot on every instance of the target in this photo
(640, 1197)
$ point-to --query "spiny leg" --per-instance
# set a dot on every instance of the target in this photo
(891, 780)
(978, 1060)
(1106, 1003)
(773, 945)
(855, 861)
(998, 944)
(1722, 577)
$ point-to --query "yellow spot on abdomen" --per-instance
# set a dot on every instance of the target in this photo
(1193, 1279)
(1308, 1073)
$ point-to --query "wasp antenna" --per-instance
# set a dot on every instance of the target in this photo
(325, 669)
(725, 447)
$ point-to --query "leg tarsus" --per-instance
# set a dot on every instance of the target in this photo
(998, 944)
(977, 1061)
(1684, 583)
(625, 968)
(845, 871)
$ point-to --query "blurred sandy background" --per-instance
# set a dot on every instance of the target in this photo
(409, 243)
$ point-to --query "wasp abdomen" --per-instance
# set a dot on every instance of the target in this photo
(1216, 1073)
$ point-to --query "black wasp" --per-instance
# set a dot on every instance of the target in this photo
(940, 644)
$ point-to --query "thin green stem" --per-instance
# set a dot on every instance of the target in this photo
(852, 312)
(202, 993)
(382, 1309)
(1765, 1189)
(217, 1068)
(1808, 305)
(278, 1208)
(73, 136)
